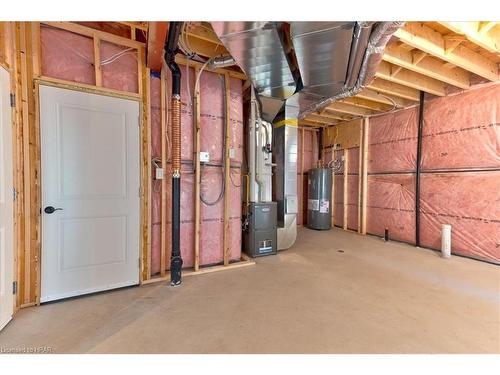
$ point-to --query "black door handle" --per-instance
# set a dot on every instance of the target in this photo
(51, 210)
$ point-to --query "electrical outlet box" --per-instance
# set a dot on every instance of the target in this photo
(204, 157)
(232, 153)
(159, 173)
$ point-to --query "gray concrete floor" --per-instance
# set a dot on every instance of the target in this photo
(373, 297)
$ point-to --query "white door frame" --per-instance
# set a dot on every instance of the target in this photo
(7, 300)
(139, 148)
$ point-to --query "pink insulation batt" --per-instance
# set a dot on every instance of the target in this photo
(353, 188)
(462, 131)
(310, 151)
(212, 125)
(70, 57)
(392, 149)
(391, 204)
(470, 202)
(67, 55)
(338, 191)
(393, 142)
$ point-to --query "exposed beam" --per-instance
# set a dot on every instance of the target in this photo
(485, 26)
(310, 123)
(426, 39)
(320, 118)
(324, 113)
(420, 62)
(348, 109)
(368, 104)
(391, 88)
(471, 31)
(411, 79)
(383, 98)
(156, 40)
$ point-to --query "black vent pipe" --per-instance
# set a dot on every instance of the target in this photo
(170, 52)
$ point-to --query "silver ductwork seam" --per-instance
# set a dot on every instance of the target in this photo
(373, 55)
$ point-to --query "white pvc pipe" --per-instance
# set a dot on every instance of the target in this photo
(446, 240)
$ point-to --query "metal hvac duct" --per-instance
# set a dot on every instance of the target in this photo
(258, 49)
(335, 60)
(285, 175)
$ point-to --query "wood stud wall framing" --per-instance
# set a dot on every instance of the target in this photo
(21, 56)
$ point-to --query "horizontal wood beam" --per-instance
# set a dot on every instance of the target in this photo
(420, 62)
(391, 88)
(368, 104)
(334, 116)
(428, 40)
(93, 33)
(348, 109)
(384, 98)
(320, 118)
(411, 79)
(156, 41)
(309, 123)
(471, 31)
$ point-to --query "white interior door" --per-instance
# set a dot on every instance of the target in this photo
(6, 204)
(91, 177)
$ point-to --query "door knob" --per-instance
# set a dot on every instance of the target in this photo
(51, 210)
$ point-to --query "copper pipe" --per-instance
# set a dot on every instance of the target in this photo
(176, 135)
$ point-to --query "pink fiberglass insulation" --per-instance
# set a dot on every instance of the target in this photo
(391, 204)
(353, 188)
(119, 67)
(212, 125)
(155, 116)
(309, 150)
(393, 142)
(463, 131)
(470, 203)
(69, 56)
(66, 55)
(338, 190)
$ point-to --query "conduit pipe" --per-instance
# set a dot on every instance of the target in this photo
(170, 52)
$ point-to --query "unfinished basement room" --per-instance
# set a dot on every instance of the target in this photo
(249, 187)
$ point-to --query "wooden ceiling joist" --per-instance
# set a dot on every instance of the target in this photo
(473, 32)
(320, 119)
(307, 122)
(368, 104)
(420, 36)
(349, 109)
(395, 89)
(420, 62)
(410, 79)
(382, 98)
